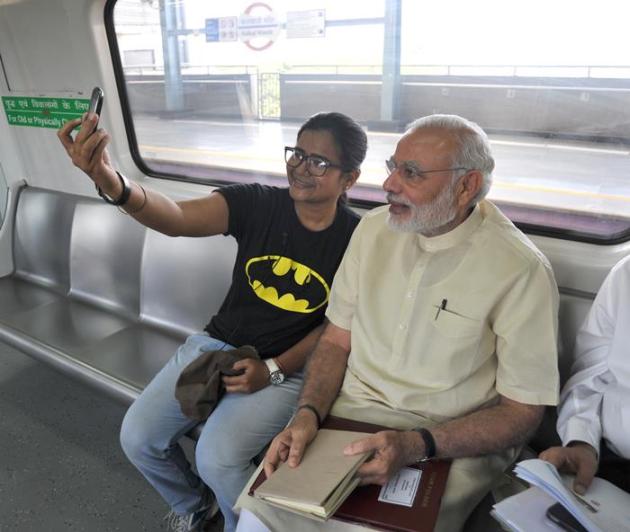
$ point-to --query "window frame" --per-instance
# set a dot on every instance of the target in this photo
(222, 177)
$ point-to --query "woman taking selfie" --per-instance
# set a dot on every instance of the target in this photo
(290, 242)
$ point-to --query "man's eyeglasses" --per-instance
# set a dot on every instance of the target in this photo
(315, 164)
(410, 172)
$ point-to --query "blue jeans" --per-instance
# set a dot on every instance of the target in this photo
(237, 430)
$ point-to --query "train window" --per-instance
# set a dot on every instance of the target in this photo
(215, 90)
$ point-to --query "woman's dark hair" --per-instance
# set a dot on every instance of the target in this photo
(350, 139)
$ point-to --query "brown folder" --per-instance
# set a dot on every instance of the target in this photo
(363, 506)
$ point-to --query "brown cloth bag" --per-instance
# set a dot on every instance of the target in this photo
(200, 387)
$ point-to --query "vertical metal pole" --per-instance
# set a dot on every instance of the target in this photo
(173, 87)
(390, 88)
(181, 23)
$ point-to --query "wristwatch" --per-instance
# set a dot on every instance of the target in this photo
(275, 373)
(429, 444)
(124, 195)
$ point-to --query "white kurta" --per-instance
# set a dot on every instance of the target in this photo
(595, 401)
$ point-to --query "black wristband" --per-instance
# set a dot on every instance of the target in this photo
(429, 443)
(312, 409)
(124, 195)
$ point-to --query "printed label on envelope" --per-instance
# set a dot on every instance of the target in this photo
(402, 488)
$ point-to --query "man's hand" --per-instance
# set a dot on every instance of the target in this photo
(255, 376)
(88, 151)
(578, 458)
(392, 450)
(291, 442)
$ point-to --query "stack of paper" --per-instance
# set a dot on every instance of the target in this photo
(603, 508)
(322, 481)
(526, 512)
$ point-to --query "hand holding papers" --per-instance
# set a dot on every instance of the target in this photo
(578, 458)
(603, 507)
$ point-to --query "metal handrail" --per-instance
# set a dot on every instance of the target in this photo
(570, 71)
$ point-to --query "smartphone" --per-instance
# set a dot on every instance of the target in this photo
(96, 101)
(559, 515)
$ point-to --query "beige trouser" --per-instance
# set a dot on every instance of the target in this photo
(469, 479)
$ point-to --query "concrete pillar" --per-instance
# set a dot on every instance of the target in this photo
(173, 86)
(390, 88)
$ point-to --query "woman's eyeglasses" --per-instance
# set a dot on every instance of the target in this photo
(315, 164)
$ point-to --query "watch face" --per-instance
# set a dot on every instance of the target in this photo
(277, 377)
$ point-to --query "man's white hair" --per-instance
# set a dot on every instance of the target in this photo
(474, 147)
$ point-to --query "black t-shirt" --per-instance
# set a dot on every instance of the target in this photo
(283, 272)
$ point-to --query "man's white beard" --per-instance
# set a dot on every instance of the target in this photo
(425, 219)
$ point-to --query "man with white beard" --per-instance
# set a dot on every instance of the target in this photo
(442, 325)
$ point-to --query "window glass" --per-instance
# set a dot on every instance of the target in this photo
(216, 90)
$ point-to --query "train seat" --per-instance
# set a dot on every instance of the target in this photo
(100, 297)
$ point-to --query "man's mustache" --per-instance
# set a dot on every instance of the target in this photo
(394, 198)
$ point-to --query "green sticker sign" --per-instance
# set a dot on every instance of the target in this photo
(42, 112)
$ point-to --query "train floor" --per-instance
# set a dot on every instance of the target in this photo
(61, 466)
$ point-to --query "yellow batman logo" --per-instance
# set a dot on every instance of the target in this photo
(286, 284)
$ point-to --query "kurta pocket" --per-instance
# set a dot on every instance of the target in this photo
(454, 325)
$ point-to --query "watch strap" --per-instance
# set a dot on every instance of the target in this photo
(313, 410)
(124, 195)
(430, 449)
